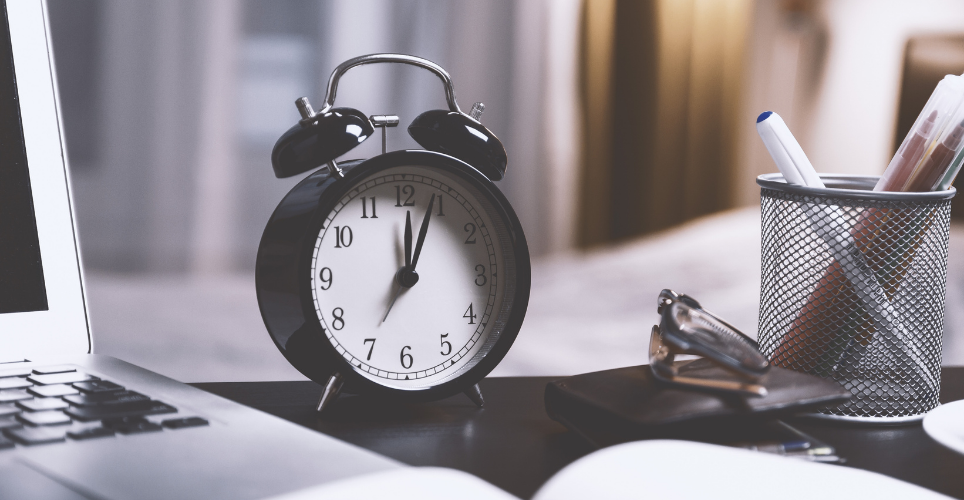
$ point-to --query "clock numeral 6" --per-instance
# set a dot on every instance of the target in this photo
(470, 228)
(405, 358)
(343, 236)
(470, 314)
(326, 281)
(364, 208)
(480, 279)
(338, 322)
(407, 190)
(446, 345)
(370, 348)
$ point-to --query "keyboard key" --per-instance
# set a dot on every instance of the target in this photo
(15, 395)
(47, 370)
(5, 443)
(119, 410)
(8, 409)
(15, 372)
(105, 398)
(52, 391)
(98, 386)
(14, 383)
(113, 422)
(45, 418)
(42, 404)
(182, 423)
(90, 433)
(60, 378)
(36, 435)
(10, 422)
(131, 425)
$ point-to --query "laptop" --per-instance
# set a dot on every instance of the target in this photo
(79, 425)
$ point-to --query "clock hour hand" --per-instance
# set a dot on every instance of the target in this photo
(406, 277)
(408, 238)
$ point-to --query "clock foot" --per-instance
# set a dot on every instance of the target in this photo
(475, 395)
(331, 391)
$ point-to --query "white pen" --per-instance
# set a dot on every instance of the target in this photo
(786, 151)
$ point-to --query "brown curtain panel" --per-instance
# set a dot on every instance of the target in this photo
(661, 86)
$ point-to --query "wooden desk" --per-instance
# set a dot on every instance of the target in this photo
(512, 444)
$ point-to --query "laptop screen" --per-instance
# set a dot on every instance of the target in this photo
(42, 306)
(21, 270)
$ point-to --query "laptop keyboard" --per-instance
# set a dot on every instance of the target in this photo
(55, 404)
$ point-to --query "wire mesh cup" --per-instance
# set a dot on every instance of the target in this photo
(852, 290)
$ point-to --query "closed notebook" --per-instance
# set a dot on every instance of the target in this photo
(625, 404)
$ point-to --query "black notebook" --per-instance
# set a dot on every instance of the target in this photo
(626, 404)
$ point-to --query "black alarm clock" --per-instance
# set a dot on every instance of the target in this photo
(403, 276)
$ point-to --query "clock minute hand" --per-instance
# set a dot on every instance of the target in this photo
(421, 232)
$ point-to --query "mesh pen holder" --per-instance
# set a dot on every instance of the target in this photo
(852, 290)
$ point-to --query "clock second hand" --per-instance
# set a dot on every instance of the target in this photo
(406, 277)
(398, 291)
(408, 262)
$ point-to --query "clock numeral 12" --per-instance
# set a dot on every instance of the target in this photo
(364, 208)
(470, 314)
(403, 356)
(446, 345)
(406, 190)
(441, 211)
(341, 240)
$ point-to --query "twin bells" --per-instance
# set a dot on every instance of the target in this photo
(322, 136)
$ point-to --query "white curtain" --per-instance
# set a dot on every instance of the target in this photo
(191, 97)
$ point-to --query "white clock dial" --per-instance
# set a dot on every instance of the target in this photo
(437, 327)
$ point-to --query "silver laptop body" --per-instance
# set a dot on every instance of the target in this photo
(80, 425)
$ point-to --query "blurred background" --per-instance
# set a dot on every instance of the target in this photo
(629, 126)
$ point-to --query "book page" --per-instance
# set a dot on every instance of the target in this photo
(412, 483)
(682, 470)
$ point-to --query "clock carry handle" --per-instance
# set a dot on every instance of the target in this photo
(388, 58)
(320, 137)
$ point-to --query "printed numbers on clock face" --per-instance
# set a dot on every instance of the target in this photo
(434, 328)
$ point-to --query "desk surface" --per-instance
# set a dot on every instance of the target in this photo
(512, 444)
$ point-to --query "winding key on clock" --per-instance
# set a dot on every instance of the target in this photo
(383, 122)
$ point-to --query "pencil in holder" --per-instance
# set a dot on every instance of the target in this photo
(852, 290)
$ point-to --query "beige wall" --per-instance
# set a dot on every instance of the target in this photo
(832, 70)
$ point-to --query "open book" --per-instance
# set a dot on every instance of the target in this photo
(640, 470)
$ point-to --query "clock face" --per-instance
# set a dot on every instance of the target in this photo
(412, 337)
